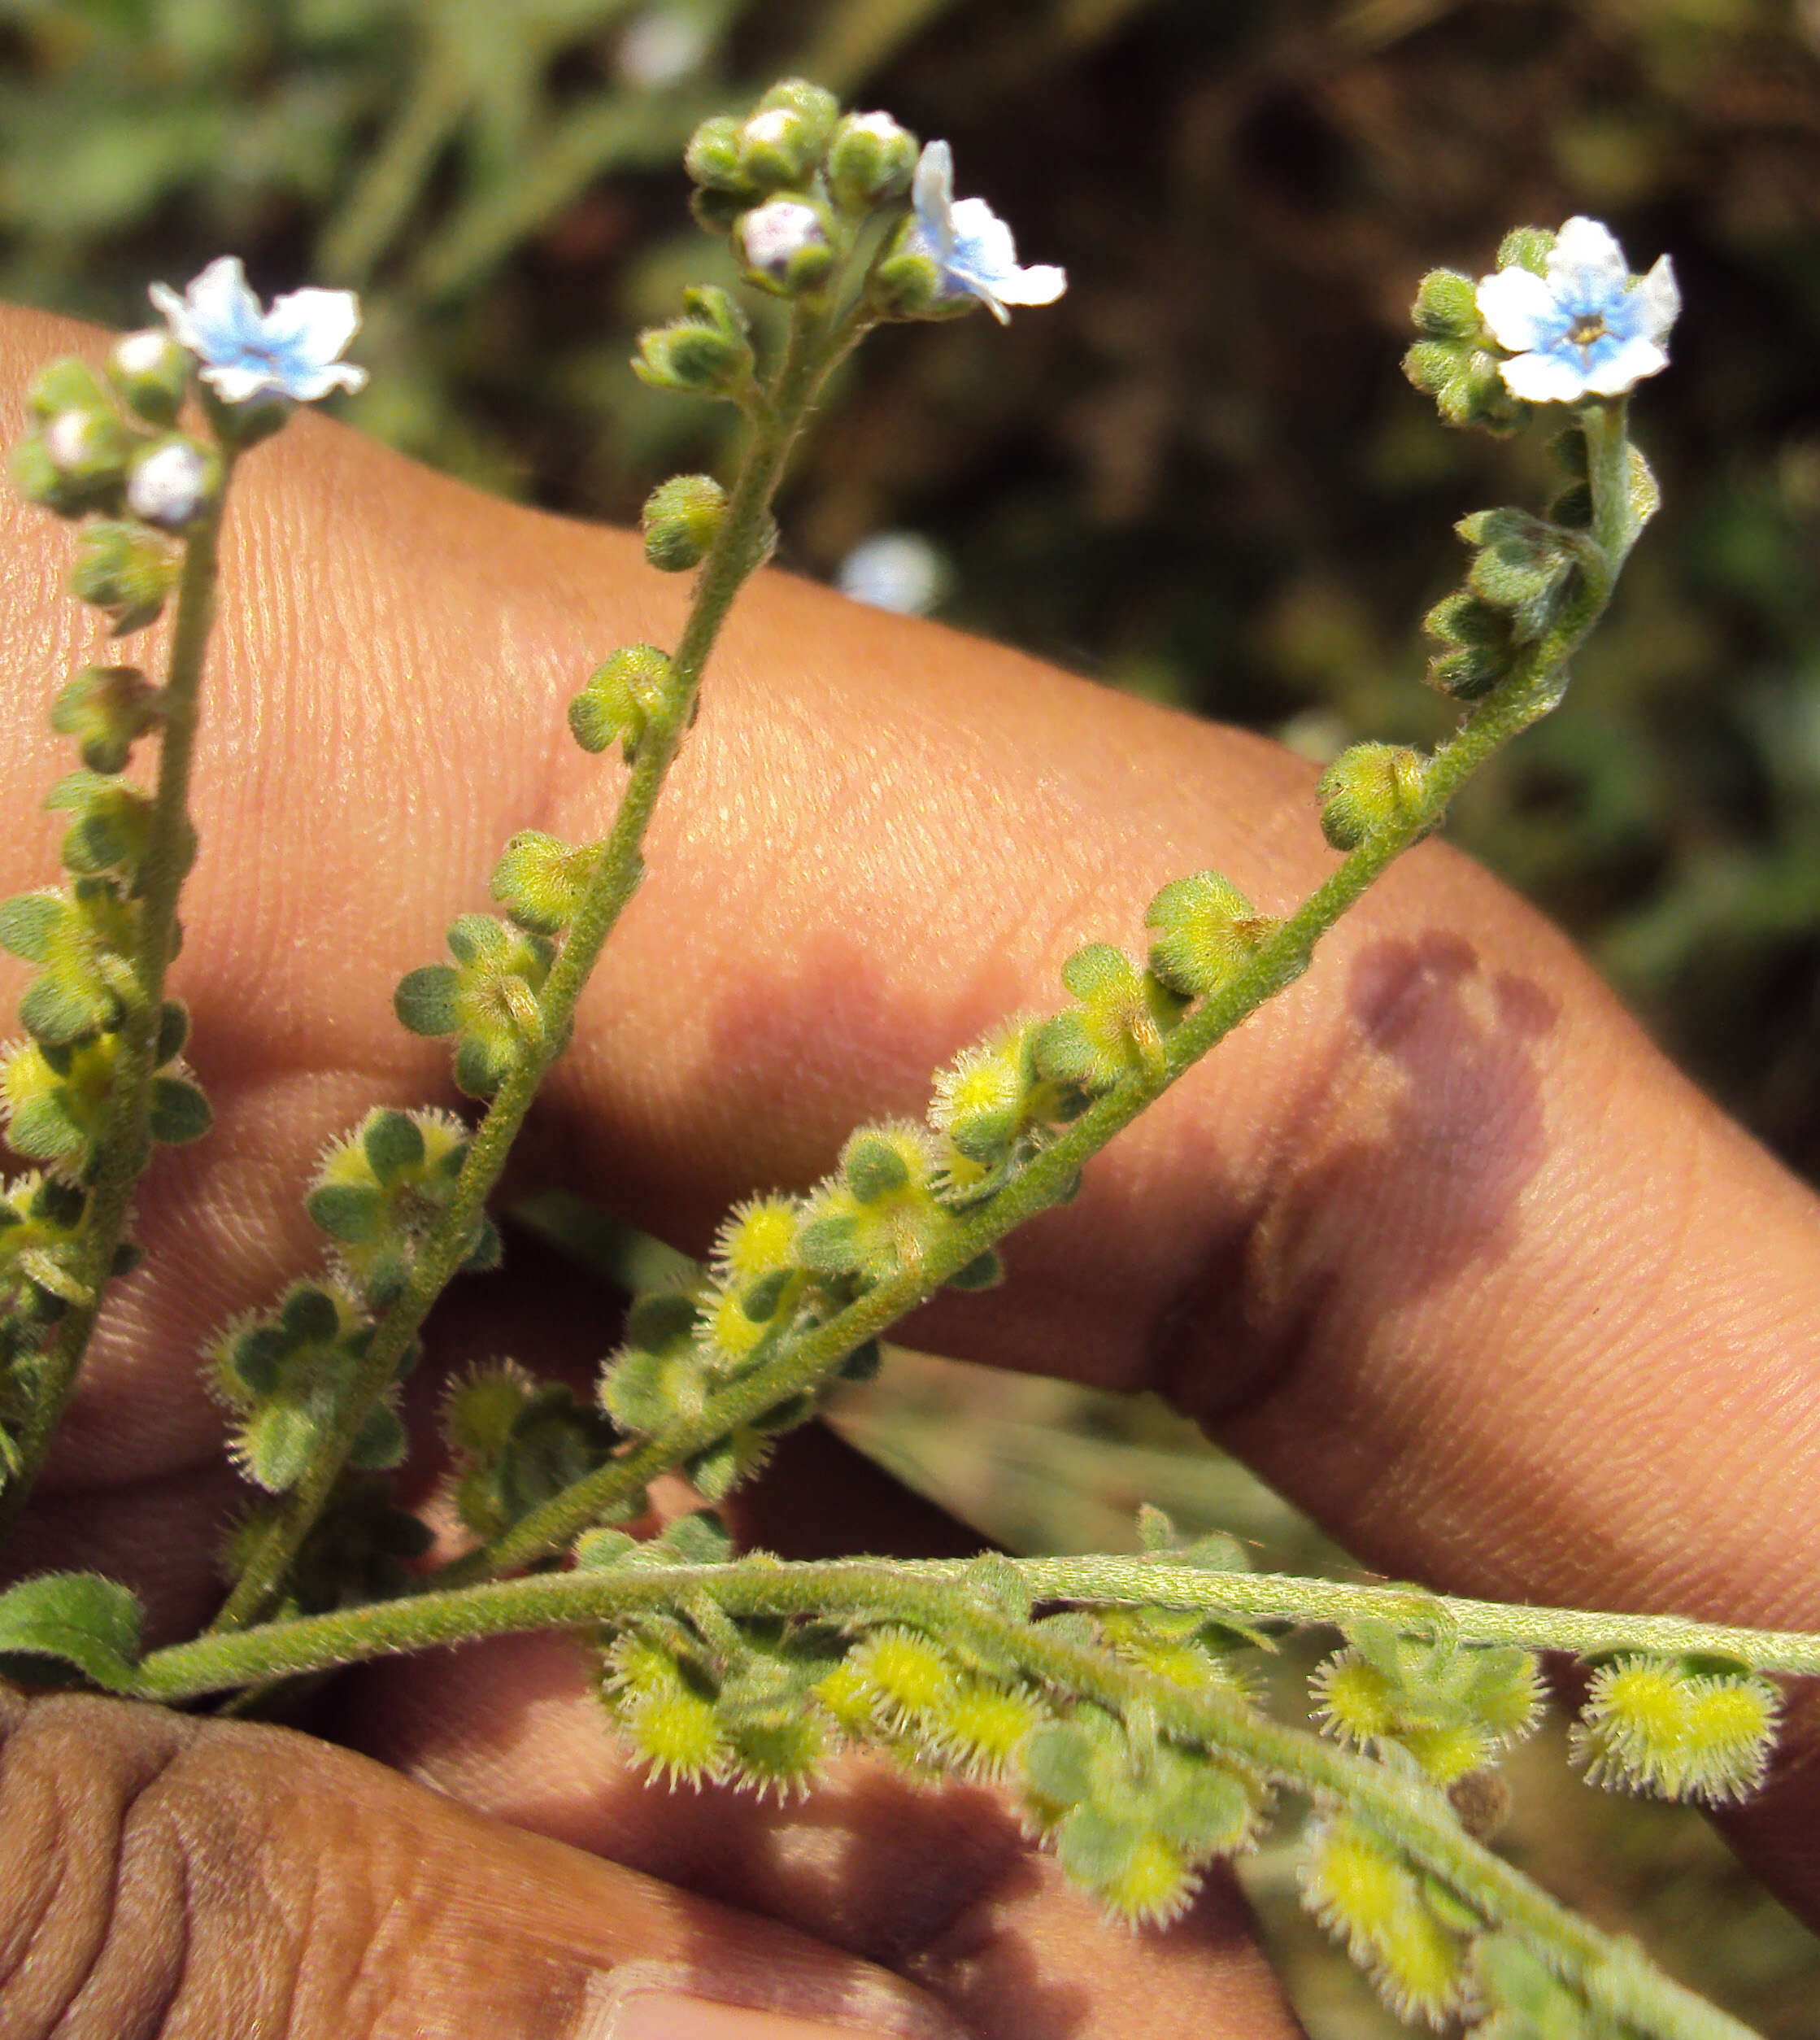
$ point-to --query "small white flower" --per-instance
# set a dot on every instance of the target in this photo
(171, 486)
(290, 350)
(971, 247)
(772, 236)
(1584, 329)
(898, 570)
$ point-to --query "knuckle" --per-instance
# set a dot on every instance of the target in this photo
(72, 1770)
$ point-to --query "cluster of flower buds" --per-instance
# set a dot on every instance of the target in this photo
(1407, 1931)
(283, 1375)
(359, 1551)
(1678, 1727)
(514, 1442)
(791, 181)
(1134, 1817)
(109, 444)
(379, 1192)
(487, 998)
(793, 184)
(1449, 1707)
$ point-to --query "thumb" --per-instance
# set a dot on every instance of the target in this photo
(164, 1876)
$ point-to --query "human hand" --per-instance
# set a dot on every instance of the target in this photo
(1437, 1241)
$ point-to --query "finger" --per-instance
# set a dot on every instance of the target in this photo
(161, 1875)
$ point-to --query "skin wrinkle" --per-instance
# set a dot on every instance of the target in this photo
(89, 1789)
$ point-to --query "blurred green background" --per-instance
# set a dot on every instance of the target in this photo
(1200, 477)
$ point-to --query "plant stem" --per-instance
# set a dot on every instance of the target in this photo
(1414, 1815)
(1530, 690)
(125, 1146)
(930, 1587)
(739, 546)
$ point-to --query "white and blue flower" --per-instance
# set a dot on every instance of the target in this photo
(1585, 328)
(291, 351)
(970, 246)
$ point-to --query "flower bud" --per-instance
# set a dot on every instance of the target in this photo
(1526, 248)
(1206, 930)
(68, 385)
(174, 483)
(106, 708)
(620, 698)
(124, 569)
(906, 284)
(1446, 306)
(89, 447)
(704, 353)
(151, 372)
(542, 881)
(39, 479)
(711, 157)
(870, 160)
(779, 149)
(1368, 789)
(681, 516)
(244, 424)
(785, 246)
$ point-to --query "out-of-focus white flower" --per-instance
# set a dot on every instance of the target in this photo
(1584, 329)
(971, 247)
(290, 350)
(663, 46)
(899, 570)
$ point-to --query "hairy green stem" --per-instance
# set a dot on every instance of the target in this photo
(739, 546)
(929, 1589)
(125, 1146)
(939, 1595)
(803, 1362)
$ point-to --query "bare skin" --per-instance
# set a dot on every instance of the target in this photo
(1438, 1242)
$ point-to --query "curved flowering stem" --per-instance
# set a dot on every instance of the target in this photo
(804, 1361)
(741, 542)
(945, 1599)
(125, 1146)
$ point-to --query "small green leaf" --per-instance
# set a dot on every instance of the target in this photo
(77, 1618)
(425, 999)
(346, 1211)
(28, 921)
(381, 1444)
(179, 1112)
(173, 1031)
(392, 1141)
